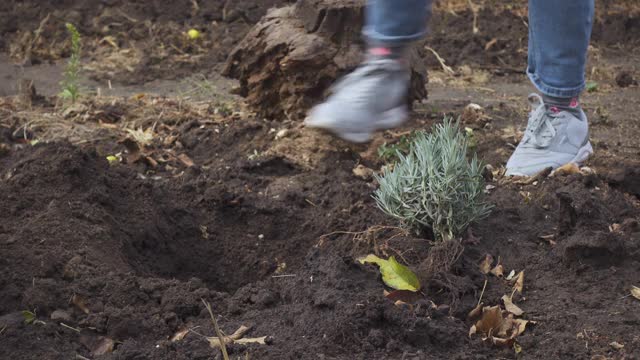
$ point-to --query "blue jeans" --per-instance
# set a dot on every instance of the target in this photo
(559, 32)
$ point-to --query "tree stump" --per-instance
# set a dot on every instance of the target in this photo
(289, 59)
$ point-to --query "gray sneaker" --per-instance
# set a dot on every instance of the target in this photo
(552, 139)
(371, 98)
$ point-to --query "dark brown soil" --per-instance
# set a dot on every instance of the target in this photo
(142, 251)
(132, 41)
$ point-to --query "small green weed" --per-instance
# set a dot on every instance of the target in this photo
(389, 152)
(70, 87)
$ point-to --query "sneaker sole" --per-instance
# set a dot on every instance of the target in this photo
(582, 156)
(387, 120)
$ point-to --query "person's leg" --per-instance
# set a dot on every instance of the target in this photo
(396, 21)
(557, 132)
(559, 33)
(374, 96)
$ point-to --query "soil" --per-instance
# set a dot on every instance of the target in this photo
(264, 219)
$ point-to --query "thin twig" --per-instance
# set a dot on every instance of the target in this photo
(482, 293)
(221, 337)
(445, 67)
(286, 275)
(69, 327)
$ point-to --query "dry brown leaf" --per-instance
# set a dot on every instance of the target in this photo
(506, 328)
(635, 292)
(363, 172)
(511, 307)
(485, 265)
(186, 160)
(406, 296)
(104, 346)
(519, 284)
(616, 345)
(502, 342)
(490, 43)
(491, 320)
(472, 331)
(476, 312)
(214, 341)
(80, 303)
(498, 271)
(151, 161)
(566, 169)
(520, 326)
(179, 335)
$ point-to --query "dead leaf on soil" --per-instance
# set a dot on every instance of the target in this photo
(394, 274)
(179, 335)
(491, 320)
(566, 169)
(405, 296)
(104, 346)
(497, 328)
(476, 312)
(635, 292)
(519, 284)
(511, 275)
(363, 172)
(498, 271)
(490, 43)
(485, 265)
(511, 307)
(616, 345)
(80, 303)
(186, 160)
(548, 238)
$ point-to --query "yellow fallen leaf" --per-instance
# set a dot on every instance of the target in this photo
(519, 285)
(485, 265)
(635, 292)
(517, 348)
(511, 307)
(112, 159)
(394, 274)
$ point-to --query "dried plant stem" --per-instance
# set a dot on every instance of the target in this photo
(219, 334)
(482, 293)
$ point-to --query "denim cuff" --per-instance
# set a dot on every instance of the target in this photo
(552, 90)
(371, 35)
